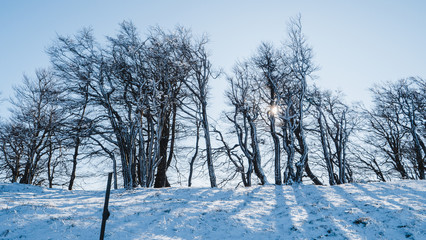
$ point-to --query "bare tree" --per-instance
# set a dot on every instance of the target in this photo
(37, 111)
(76, 61)
(395, 127)
(135, 86)
(75, 76)
(300, 60)
(411, 98)
(194, 157)
(246, 111)
(86, 65)
(197, 84)
(370, 160)
(281, 77)
(267, 61)
(12, 140)
(233, 154)
(336, 123)
(324, 139)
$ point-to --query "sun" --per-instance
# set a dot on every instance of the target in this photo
(273, 110)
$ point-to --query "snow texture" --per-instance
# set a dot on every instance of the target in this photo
(351, 211)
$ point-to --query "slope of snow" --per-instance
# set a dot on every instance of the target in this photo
(350, 211)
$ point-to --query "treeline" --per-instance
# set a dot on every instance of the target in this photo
(140, 104)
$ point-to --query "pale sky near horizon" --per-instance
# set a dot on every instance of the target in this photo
(356, 43)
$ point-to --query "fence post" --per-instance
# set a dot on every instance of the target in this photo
(105, 214)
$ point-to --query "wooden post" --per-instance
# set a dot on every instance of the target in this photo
(105, 214)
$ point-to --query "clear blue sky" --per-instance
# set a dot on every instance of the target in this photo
(356, 43)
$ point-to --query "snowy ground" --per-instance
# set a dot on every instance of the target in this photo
(351, 211)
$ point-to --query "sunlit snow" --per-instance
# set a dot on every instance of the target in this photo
(351, 211)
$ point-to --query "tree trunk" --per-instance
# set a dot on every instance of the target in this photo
(161, 178)
(74, 163)
(325, 149)
(277, 151)
(50, 169)
(288, 144)
(303, 164)
(191, 164)
(310, 174)
(208, 144)
(257, 162)
(114, 167)
(417, 148)
(173, 135)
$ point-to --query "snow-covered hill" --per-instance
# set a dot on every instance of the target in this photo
(351, 211)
